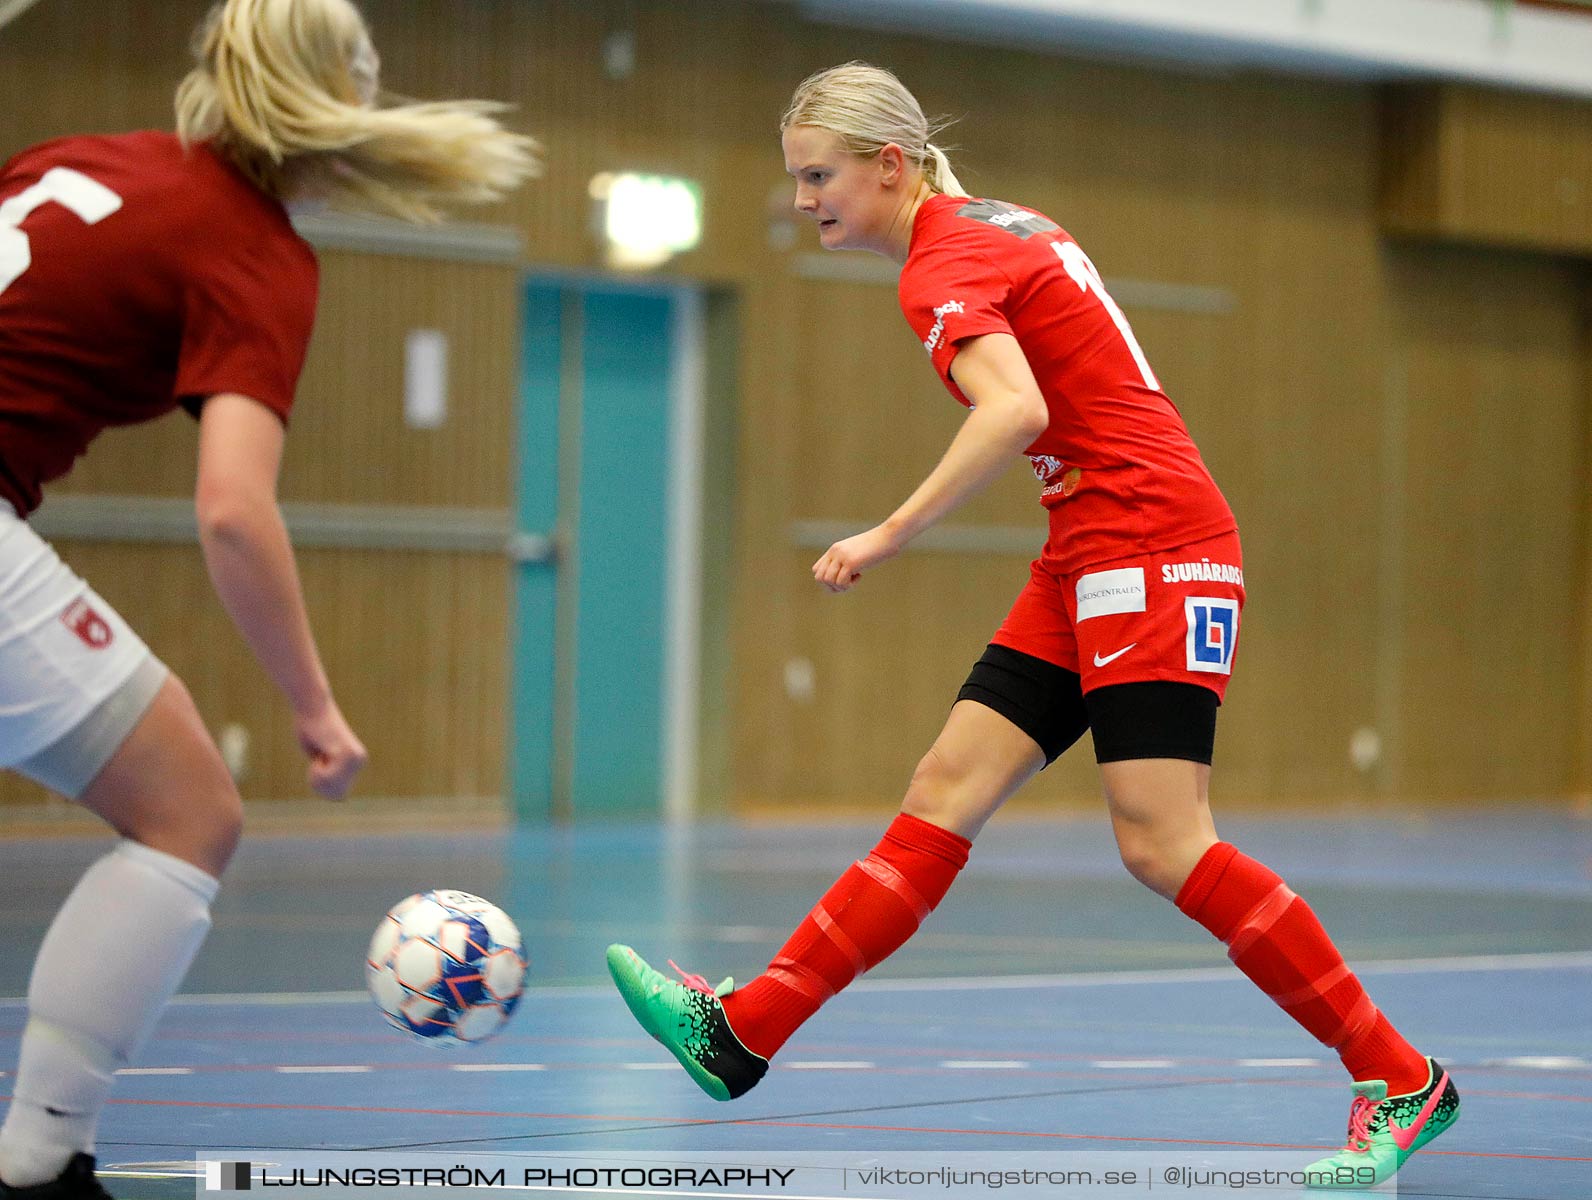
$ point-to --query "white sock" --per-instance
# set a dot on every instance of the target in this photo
(112, 959)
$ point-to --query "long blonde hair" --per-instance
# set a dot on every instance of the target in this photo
(286, 89)
(870, 108)
(10, 9)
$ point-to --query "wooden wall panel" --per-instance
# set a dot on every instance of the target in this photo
(347, 441)
(415, 643)
(1493, 542)
(412, 644)
(1321, 398)
(1583, 657)
(1479, 165)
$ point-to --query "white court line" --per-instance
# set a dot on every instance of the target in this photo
(1411, 966)
(155, 1071)
(1554, 960)
(1533, 1062)
(1540, 1062)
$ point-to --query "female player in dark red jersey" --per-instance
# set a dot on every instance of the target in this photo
(1127, 625)
(138, 273)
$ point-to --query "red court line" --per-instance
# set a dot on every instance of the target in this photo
(775, 1124)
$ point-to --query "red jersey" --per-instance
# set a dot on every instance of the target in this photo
(1119, 472)
(135, 276)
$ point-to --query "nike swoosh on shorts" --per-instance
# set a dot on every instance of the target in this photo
(1100, 662)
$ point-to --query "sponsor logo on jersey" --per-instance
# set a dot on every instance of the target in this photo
(1057, 477)
(1014, 220)
(1102, 593)
(92, 628)
(1212, 633)
(1046, 466)
(937, 330)
(1205, 571)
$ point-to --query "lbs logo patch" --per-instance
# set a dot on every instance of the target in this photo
(82, 620)
(1212, 633)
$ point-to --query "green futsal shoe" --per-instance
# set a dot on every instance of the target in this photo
(688, 1019)
(1385, 1130)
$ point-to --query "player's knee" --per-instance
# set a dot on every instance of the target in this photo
(224, 826)
(205, 823)
(1148, 860)
(935, 789)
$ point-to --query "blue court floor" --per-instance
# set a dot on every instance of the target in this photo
(1050, 1007)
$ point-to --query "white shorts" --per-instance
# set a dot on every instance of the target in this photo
(66, 656)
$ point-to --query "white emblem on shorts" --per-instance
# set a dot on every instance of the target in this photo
(1102, 593)
(1100, 662)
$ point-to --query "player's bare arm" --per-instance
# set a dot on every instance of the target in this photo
(251, 564)
(1009, 412)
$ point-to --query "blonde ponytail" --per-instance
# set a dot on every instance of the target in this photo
(11, 9)
(870, 109)
(287, 88)
(937, 170)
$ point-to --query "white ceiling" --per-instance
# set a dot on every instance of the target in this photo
(1479, 41)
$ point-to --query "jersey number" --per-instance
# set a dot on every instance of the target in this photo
(1088, 280)
(91, 201)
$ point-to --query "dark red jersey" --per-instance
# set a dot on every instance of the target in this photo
(1119, 472)
(134, 276)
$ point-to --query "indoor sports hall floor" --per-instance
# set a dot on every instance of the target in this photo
(1050, 1005)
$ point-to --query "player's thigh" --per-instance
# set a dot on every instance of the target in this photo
(1154, 742)
(64, 652)
(975, 765)
(166, 785)
(88, 711)
(1013, 716)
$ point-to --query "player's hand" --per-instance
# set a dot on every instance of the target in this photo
(336, 754)
(844, 562)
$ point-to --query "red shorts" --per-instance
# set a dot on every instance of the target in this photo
(1171, 615)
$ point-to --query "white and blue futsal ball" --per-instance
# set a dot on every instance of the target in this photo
(446, 966)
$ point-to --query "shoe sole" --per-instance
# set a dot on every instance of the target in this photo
(622, 967)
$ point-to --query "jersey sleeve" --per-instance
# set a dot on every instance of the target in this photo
(952, 290)
(247, 315)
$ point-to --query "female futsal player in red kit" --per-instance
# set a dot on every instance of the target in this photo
(139, 272)
(1127, 626)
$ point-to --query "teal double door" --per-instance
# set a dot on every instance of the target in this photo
(597, 611)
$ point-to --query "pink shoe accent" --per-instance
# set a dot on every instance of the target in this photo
(1360, 1113)
(695, 982)
(1403, 1137)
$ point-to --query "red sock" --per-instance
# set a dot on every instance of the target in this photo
(1274, 938)
(863, 919)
